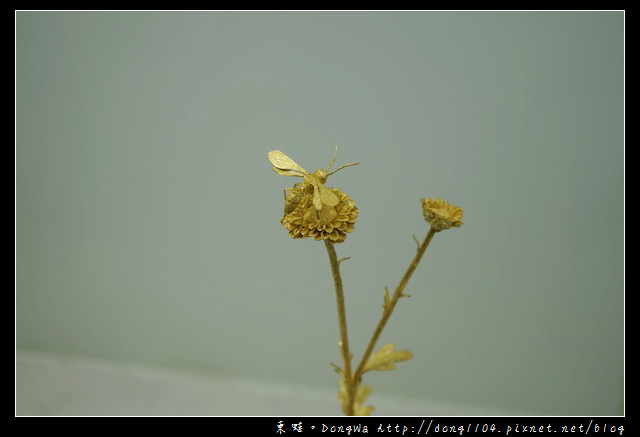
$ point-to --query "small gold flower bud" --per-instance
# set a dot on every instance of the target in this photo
(441, 214)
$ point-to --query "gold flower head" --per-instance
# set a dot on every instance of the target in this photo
(303, 220)
(310, 208)
(441, 214)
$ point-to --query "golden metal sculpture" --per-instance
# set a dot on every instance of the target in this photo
(313, 210)
(285, 166)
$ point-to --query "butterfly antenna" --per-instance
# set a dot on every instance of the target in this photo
(335, 155)
(340, 168)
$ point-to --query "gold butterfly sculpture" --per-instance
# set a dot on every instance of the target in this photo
(285, 166)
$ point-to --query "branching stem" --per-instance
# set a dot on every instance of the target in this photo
(353, 381)
(388, 308)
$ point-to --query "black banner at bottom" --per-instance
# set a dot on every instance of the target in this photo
(408, 426)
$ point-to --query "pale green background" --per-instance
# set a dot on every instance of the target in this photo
(148, 215)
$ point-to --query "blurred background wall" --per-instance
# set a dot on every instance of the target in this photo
(147, 213)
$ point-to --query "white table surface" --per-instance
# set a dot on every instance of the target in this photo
(49, 385)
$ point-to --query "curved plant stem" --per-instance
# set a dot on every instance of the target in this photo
(389, 306)
(342, 322)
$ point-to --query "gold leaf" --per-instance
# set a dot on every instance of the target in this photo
(363, 411)
(362, 393)
(386, 298)
(336, 368)
(385, 357)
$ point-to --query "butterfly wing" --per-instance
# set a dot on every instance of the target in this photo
(285, 166)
